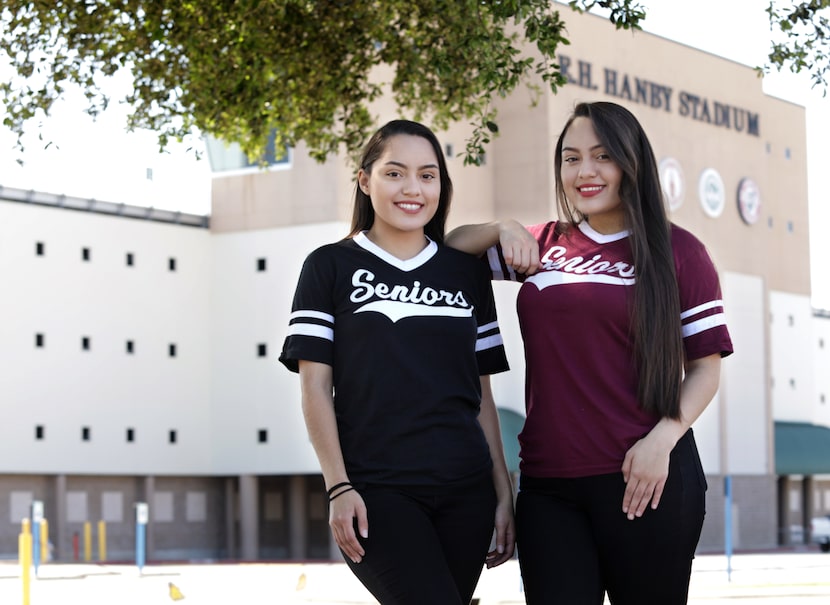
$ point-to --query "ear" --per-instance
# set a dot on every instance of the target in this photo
(363, 181)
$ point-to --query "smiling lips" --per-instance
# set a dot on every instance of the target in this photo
(590, 190)
(409, 207)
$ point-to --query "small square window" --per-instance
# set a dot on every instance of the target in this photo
(790, 227)
(130, 259)
(172, 436)
(86, 433)
(130, 347)
(86, 254)
(86, 343)
(262, 350)
(40, 432)
(820, 343)
(262, 435)
(40, 340)
(171, 264)
(448, 150)
(130, 435)
(171, 350)
(792, 383)
(40, 249)
(821, 398)
(261, 264)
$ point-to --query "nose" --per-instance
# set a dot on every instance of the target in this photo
(587, 168)
(411, 185)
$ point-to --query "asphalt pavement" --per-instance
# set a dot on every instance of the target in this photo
(773, 578)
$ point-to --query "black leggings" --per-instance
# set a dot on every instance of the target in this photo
(426, 545)
(575, 544)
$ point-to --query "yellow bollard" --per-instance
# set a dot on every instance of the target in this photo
(102, 541)
(87, 541)
(45, 554)
(25, 556)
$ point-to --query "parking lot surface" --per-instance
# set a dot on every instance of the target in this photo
(776, 578)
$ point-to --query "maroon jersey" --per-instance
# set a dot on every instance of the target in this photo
(581, 383)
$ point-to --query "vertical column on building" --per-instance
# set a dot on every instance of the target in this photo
(230, 517)
(784, 510)
(57, 521)
(297, 518)
(149, 498)
(248, 518)
(807, 486)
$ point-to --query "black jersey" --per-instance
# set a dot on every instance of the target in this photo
(407, 341)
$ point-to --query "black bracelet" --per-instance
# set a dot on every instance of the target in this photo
(338, 494)
(336, 487)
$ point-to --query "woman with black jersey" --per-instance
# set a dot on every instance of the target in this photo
(623, 327)
(394, 336)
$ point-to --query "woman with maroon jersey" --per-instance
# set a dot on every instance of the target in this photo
(623, 327)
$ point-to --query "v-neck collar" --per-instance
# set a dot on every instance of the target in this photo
(404, 265)
(598, 237)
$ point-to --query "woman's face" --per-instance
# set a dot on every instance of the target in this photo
(404, 185)
(590, 177)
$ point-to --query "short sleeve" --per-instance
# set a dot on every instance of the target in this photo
(490, 353)
(702, 314)
(310, 333)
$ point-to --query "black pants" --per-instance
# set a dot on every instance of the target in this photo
(575, 544)
(426, 545)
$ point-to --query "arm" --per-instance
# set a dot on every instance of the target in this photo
(520, 248)
(646, 464)
(318, 410)
(488, 418)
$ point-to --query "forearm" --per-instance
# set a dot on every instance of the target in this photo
(700, 385)
(519, 248)
(474, 239)
(646, 464)
(505, 536)
(321, 423)
(488, 418)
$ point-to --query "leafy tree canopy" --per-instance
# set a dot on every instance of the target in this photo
(805, 45)
(241, 69)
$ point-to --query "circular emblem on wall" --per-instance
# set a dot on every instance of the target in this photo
(749, 201)
(672, 182)
(712, 192)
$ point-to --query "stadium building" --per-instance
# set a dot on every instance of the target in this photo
(138, 351)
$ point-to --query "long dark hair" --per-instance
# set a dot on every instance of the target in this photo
(655, 308)
(363, 215)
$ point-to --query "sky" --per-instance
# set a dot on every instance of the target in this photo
(100, 160)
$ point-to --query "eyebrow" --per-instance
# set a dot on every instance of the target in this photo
(597, 146)
(402, 165)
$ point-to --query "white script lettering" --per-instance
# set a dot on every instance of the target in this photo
(555, 260)
(364, 290)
